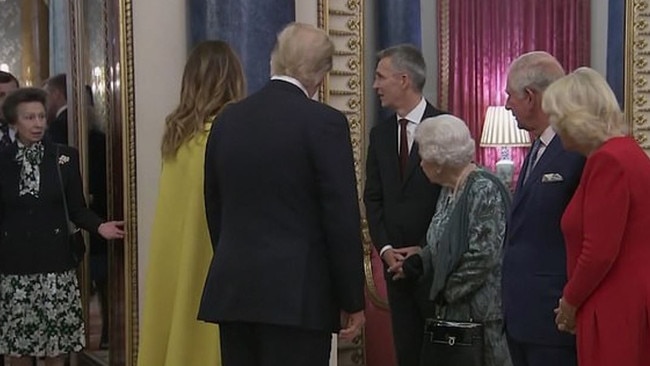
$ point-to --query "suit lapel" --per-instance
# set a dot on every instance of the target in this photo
(523, 188)
(49, 175)
(392, 146)
(12, 167)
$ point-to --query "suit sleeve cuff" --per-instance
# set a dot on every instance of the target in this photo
(384, 249)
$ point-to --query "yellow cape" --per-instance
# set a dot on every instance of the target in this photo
(179, 257)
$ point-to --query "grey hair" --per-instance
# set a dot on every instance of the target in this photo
(304, 52)
(446, 141)
(407, 58)
(535, 70)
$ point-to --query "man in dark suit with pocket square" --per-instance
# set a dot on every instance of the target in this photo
(283, 216)
(399, 199)
(534, 264)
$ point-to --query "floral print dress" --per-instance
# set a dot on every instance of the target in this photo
(40, 313)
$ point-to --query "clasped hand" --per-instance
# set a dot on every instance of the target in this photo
(395, 258)
(565, 317)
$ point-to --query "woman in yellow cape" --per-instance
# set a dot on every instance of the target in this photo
(180, 251)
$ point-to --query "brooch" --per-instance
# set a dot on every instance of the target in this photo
(63, 159)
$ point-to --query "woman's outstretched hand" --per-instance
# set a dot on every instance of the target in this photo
(111, 230)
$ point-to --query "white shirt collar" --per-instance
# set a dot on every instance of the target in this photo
(547, 135)
(291, 80)
(416, 114)
(58, 113)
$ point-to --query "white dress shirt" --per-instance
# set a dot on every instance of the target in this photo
(546, 138)
(291, 80)
(414, 117)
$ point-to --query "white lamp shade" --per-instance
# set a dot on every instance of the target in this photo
(500, 129)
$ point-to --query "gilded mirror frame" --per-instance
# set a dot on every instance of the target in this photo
(637, 70)
(121, 166)
(344, 89)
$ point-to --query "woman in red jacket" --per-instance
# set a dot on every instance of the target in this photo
(606, 300)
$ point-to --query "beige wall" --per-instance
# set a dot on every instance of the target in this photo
(160, 50)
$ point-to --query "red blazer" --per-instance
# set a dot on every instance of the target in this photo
(607, 232)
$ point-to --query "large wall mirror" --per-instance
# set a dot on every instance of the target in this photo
(102, 86)
(87, 44)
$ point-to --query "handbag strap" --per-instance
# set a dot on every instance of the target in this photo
(65, 199)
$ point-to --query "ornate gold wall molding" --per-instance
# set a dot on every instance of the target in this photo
(343, 89)
(637, 70)
(443, 67)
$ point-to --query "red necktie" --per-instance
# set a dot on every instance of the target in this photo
(403, 146)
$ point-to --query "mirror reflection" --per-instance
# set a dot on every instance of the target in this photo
(36, 45)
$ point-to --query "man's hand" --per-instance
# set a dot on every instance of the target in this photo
(351, 325)
(391, 257)
(394, 258)
(408, 251)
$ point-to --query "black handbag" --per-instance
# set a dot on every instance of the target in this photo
(451, 343)
(75, 237)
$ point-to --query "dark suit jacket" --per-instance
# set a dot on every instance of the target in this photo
(398, 212)
(283, 213)
(534, 265)
(58, 128)
(34, 231)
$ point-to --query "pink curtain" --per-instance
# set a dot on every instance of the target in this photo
(479, 39)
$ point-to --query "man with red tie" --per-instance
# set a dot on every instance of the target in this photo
(399, 199)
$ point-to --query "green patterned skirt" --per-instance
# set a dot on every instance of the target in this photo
(40, 314)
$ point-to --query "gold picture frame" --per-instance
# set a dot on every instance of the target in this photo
(637, 70)
(344, 89)
(121, 164)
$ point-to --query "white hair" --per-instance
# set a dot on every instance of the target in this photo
(535, 70)
(445, 140)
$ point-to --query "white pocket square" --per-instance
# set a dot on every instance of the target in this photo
(552, 177)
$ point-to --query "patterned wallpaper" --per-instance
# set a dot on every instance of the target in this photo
(95, 52)
(10, 45)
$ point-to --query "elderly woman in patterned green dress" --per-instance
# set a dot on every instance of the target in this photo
(462, 257)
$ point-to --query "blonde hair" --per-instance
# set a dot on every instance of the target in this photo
(303, 52)
(445, 140)
(213, 77)
(584, 107)
(535, 70)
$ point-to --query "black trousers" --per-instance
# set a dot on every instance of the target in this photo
(528, 354)
(252, 344)
(409, 307)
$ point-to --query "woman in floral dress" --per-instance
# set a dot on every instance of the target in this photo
(40, 307)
